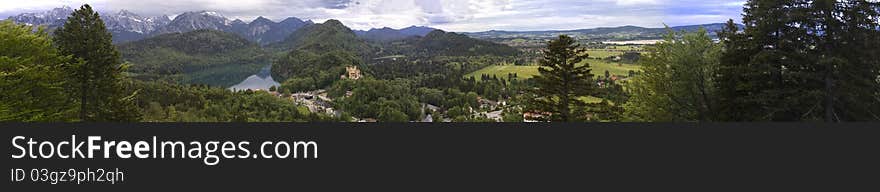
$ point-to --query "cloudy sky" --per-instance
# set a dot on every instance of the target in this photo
(450, 15)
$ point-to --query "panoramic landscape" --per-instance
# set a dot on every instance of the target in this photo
(350, 61)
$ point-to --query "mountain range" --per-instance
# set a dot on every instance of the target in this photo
(127, 26)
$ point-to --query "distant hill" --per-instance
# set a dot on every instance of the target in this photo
(383, 34)
(323, 37)
(283, 29)
(265, 31)
(389, 34)
(416, 30)
(197, 57)
(439, 42)
(604, 33)
(317, 54)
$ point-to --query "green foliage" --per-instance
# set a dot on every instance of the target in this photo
(32, 79)
(562, 81)
(198, 57)
(386, 100)
(98, 81)
(677, 82)
(448, 98)
(434, 72)
(512, 116)
(392, 114)
(431, 96)
(169, 102)
(319, 54)
(459, 113)
(630, 57)
(307, 71)
(802, 60)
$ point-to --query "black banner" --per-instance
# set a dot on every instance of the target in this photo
(468, 157)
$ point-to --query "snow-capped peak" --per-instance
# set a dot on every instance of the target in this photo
(211, 13)
(126, 13)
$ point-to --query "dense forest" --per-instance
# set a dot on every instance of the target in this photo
(197, 57)
(790, 60)
(794, 60)
(318, 54)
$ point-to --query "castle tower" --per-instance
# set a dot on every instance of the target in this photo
(353, 72)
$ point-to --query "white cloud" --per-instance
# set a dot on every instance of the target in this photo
(453, 15)
(32, 5)
(637, 2)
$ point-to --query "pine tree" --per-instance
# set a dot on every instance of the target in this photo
(31, 77)
(99, 80)
(563, 81)
(772, 62)
(847, 31)
(802, 60)
(730, 75)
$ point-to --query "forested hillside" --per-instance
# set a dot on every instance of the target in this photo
(317, 55)
(453, 44)
(198, 57)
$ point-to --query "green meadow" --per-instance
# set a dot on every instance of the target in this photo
(528, 71)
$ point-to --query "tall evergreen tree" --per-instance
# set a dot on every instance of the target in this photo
(778, 73)
(731, 80)
(31, 76)
(846, 33)
(801, 60)
(563, 81)
(99, 79)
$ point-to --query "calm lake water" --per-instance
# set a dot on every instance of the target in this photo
(262, 81)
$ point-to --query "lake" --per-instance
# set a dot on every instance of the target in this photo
(260, 81)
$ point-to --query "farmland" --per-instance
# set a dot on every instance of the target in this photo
(524, 72)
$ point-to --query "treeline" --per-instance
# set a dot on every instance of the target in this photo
(802, 60)
(171, 102)
(795, 60)
(74, 76)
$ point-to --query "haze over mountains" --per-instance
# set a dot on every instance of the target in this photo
(602, 33)
(389, 34)
(127, 26)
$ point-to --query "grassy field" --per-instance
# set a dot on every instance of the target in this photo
(600, 53)
(591, 99)
(626, 47)
(613, 51)
(525, 72)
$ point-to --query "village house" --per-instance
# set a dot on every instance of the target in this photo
(531, 117)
